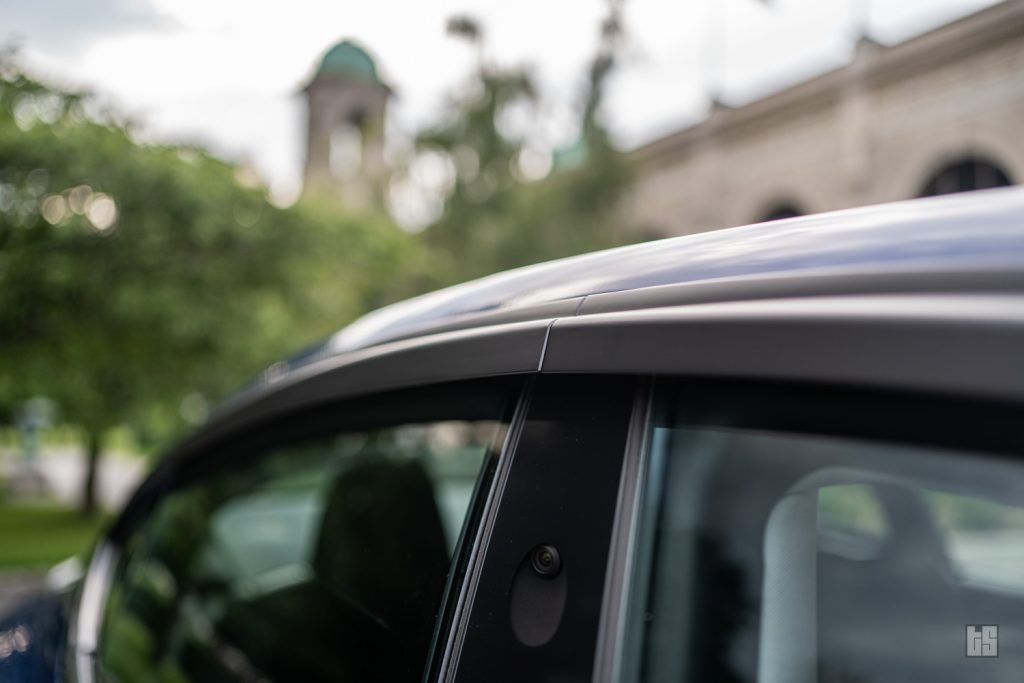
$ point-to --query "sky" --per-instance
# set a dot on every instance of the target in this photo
(227, 74)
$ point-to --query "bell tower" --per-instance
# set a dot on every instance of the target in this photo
(346, 104)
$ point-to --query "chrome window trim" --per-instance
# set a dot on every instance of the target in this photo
(88, 619)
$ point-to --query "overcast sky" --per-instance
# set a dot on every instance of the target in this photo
(226, 73)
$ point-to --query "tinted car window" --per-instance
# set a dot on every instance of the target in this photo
(321, 560)
(775, 555)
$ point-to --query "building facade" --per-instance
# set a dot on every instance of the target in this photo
(941, 112)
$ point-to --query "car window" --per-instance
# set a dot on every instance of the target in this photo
(781, 556)
(323, 559)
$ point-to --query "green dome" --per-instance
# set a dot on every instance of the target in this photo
(348, 59)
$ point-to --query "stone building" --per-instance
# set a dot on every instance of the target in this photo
(941, 112)
(346, 104)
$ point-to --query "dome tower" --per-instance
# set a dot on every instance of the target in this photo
(346, 103)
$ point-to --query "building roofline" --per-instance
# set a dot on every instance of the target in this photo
(873, 65)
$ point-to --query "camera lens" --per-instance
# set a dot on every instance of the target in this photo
(546, 561)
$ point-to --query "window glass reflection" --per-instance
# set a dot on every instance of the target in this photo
(326, 560)
(798, 558)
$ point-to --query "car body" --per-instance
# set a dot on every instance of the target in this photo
(784, 452)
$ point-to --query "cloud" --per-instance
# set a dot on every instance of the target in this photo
(228, 72)
(65, 28)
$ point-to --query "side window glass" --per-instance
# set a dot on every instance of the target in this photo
(322, 560)
(793, 557)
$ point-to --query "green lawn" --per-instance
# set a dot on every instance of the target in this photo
(38, 535)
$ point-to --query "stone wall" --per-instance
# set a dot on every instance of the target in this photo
(875, 130)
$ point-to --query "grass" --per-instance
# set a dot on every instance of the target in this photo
(39, 535)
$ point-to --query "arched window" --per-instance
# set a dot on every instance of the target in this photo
(966, 175)
(779, 211)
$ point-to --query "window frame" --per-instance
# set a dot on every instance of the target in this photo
(451, 361)
(930, 344)
(909, 418)
(577, 431)
(419, 404)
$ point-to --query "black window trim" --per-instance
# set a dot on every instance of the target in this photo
(503, 350)
(489, 610)
(955, 344)
(443, 668)
(512, 348)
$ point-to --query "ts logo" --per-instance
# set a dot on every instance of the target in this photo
(982, 640)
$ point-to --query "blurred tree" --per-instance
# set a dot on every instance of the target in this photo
(495, 215)
(138, 282)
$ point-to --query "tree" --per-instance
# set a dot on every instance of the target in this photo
(494, 218)
(133, 277)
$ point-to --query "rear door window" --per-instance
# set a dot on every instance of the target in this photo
(783, 543)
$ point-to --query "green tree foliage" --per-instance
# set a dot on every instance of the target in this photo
(135, 277)
(139, 282)
(494, 218)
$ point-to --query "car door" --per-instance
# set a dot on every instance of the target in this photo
(193, 576)
(800, 534)
(829, 489)
(394, 537)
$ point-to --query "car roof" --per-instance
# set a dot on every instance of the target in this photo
(976, 231)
